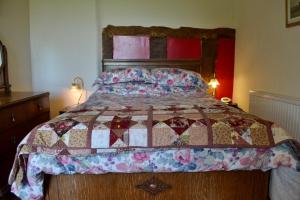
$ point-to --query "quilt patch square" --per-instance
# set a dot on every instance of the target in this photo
(138, 136)
(221, 133)
(77, 137)
(100, 138)
(179, 124)
(198, 134)
(45, 137)
(63, 126)
(163, 135)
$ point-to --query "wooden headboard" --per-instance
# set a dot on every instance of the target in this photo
(158, 47)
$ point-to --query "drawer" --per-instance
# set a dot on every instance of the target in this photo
(10, 138)
(14, 115)
(5, 167)
(22, 112)
(8, 143)
(39, 106)
(20, 132)
(43, 104)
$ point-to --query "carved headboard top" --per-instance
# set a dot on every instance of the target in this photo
(158, 47)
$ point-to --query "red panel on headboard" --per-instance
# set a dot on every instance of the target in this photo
(225, 67)
(131, 47)
(184, 48)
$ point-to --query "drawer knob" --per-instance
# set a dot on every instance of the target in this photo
(13, 139)
(153, 186)
(13, 119)
(40, 107)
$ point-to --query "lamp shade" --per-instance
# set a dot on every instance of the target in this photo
(77, 85)
(214, 83)
(74, 86)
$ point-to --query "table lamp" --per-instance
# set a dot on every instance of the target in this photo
(214, 84)
(78, 84)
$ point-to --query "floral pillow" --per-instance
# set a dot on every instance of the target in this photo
(178, 90)
(177, 77)
(122, 75)
(138, 88)
(129, 88)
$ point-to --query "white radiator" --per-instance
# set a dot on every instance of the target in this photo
(283, 110)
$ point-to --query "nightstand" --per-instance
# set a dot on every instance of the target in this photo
(235, 105)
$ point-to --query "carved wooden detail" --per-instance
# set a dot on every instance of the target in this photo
(160, 31)
(217, 185)
(154, 186)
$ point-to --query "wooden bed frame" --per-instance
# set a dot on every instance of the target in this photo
(225, 185)
(232, 185)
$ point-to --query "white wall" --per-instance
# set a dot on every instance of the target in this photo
(14, 33)
(172, 13)
(63, 36)
(66, 34)
(267, 53)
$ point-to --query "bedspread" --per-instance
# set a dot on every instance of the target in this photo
(152, 160)
(108, 124)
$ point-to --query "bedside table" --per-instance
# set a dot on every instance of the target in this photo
(235, 105)
(66, 109)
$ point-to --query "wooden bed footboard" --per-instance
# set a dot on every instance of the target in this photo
(232, 185)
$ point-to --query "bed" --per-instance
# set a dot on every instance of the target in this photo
(172, 144)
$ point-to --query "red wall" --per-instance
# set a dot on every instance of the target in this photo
(225, 67)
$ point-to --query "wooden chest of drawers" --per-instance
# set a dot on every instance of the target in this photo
(20, 112)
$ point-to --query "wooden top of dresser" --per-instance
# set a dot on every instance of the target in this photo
(19, 97)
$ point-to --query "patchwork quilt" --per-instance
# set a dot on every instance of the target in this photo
(207, 123)
(112, 123)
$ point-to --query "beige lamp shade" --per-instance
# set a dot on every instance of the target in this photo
(78, 84)
(214, 83)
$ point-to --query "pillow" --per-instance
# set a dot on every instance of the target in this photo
(177, 77)
(178, 90)
(129, 88)
(122, 75)
(139, 88)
